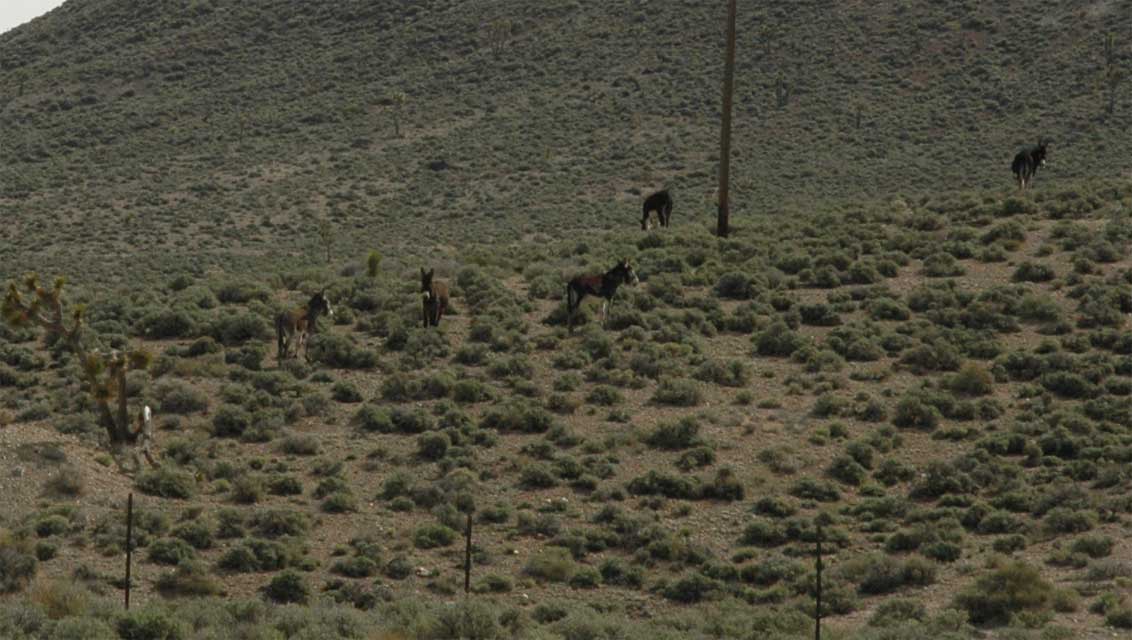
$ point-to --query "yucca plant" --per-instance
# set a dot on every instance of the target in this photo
(104, 374)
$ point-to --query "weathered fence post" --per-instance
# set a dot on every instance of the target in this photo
(129, 543)
(817, 594)
(468, 556)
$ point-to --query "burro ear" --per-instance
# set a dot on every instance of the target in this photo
(422, 271)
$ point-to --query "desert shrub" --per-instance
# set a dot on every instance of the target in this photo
(681, 434)
(287, 587)
(912, 412)
(879, 573)
(695, 458)
(189, 579)
(1093, 546)
(1032, 272)
(518, 415)
(552, 564)
(338, 351)
(284, 485)
(893, 613)
(238, 328)
(17, 564)
(678, 392)
(734, 286)
(810, 489)
(942, 265)
(691, 588)
(724, 486)
(273, 523)
(1068, 384)
(971, 380)
(433, 446)
(345, 392)
(1008, 589)
(167, 482)
(605, 396)
(230, 421)
(763, 533)
(888, 309)
(300, 445)
(1064, 520)
(249, 356)
(432, 536)
(197, 533)
(931, 357)
(655, 483)
(730, 374)
(177, 397)
(67, 481)
(257, 555)
(170, 551)
(340, 502)
(537, 476)
(166, 324)
(778, 340)
(150, 623)
(847, 470)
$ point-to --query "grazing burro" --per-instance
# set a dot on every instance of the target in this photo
(661, 203)
(293, 327)
(603, 285)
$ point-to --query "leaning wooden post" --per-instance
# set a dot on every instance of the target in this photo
(129, 543)
(723, 219)
(817, 609)
(468, 555)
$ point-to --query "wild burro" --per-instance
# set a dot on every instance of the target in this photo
(1028, 161)
(434, 302)
(661, 203)
(292, 328)
(603, 285)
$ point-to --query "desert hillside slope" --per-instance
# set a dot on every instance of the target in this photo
(224, 129)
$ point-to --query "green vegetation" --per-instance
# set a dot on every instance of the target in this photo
(929, 364)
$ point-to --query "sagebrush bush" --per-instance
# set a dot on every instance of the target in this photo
(678, 392)
(167, 482)
(682, 434)
(287, 587)
(431, 536)
(552, 564)
(334, 350)
(17, 564)
(971, 380)
(1004, 591)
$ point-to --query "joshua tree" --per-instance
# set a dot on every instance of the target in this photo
(373, 263)
(104, 374)
(782, 90)
(397, 105)
(498, 33)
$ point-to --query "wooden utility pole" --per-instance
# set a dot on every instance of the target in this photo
(129, 542)
(723, 223)
(468, 555)
(817, 606)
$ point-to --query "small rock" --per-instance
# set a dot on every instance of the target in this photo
(423, 572)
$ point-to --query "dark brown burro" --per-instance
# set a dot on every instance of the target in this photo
(603, 285)
(292, 328)
(1027, 162)
(661, 203)
(434, 302)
